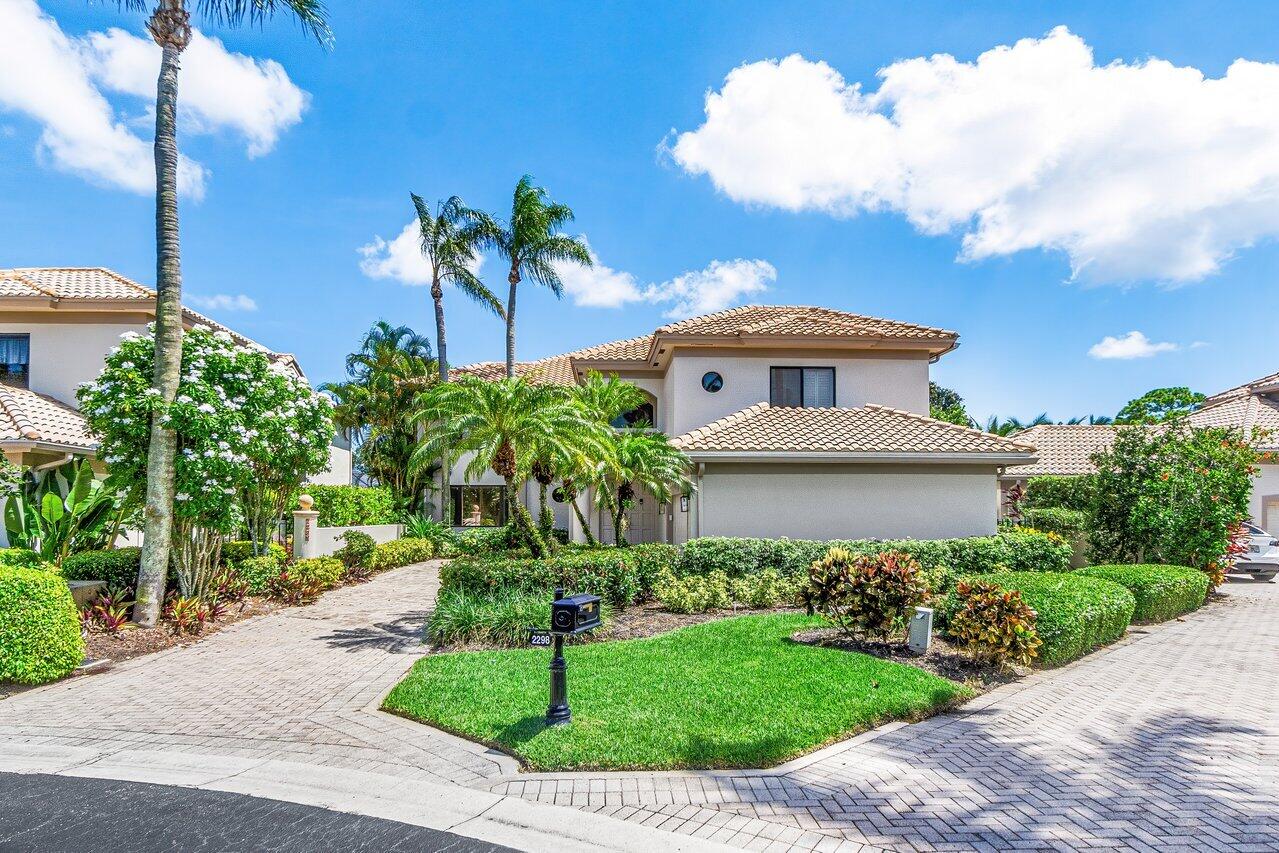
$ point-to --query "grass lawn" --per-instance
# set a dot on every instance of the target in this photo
(732, 693)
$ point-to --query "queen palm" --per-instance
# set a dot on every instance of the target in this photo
(532, 245)
(501, 423)
(645, 459)
(170, 26)
(451, 237)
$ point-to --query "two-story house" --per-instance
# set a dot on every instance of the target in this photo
(800, 421)
(56, 327)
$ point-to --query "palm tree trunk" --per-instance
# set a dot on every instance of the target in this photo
(442, 356)
(586, 527)
(514, 279)
(161, 454)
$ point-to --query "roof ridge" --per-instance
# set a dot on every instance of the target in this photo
(18, 274)
(18, 415)
(930, 420)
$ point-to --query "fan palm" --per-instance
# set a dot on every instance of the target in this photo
(532, 245)
(645, 459)
(451, 237)
(502, 423)
(170, 26)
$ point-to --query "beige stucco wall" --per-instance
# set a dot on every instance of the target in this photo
(1264, 504)
(339, 471)
(839, 501)
(65, 354)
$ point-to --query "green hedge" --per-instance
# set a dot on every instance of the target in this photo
(1014, 550)
(242, 549)
(620, 575)
(1070, 523)
(502, 619)
(484, 540)
(117, 566)
(352, 506)
(1074, 614)
(39, 627)
(258, 573)
(401, 552)
(23, 558)
(1162, 592)
(1066, 492)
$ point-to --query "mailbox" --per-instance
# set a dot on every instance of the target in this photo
(575, 614)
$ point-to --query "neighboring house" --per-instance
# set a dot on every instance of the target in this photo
(1252, 408)
(800, 421)
(56, 327)
(1065, 450)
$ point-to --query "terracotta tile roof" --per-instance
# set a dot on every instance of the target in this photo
(26, 416)
(868, 429)
(1245, 389)
(801, 320)
(1256, 415)
(556, 369)
(631, 349)
(1065, 450)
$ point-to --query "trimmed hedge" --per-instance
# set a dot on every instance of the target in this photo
(1020, 551)
(1066, 492)
(352, 506)
(39, 627)
(401, 552)
(1057, 519)
(239, 550)
(499, 620)
(1162, 592)
(484, 540)
(23, 558)
(620, 575)
(1074, 613)
(258, 573)
(117, 566)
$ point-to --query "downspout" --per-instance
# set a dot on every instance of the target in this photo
(55, 463)
(697, 520)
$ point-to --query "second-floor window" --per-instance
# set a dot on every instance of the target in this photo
(15, 359)
(807, 387)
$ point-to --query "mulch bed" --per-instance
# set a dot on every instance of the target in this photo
(648, 620)
(135, 642)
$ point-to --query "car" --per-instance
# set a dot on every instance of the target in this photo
(1262, 559)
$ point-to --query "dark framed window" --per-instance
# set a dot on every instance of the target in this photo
(806, 387)
(641, 415)
(478, 506)
(712, 381)
(15, 359)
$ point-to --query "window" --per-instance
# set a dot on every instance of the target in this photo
(809, 387)
(640, 416)
(15, 359)
(712, 381)
(478, 506)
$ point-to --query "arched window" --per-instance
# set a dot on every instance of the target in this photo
(640, 416)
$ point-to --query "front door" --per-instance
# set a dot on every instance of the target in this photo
(644, 521)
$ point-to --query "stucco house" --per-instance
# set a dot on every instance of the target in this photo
(800, 421)
(1065, 450)
(1252, 408)
(56, 326)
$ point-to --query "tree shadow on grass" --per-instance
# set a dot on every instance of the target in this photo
(402, 634)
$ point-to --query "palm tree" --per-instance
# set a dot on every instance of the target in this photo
(502, 422)
(451, 237)
(642, 458)
(1092, 420)
(170, 27)
(532, 244)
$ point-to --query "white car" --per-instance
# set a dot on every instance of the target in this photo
(1262, 559)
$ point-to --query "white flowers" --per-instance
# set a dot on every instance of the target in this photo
(182, 496)
(207, 408)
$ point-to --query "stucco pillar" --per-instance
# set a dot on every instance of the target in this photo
(305, 545)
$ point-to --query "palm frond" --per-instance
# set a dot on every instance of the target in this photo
(311, 14)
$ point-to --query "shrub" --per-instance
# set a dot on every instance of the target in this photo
(304, 580)
(258, 573)
(239, 550)
(401, 552)
(621, 575)
(1162, 592)
(994, 624)
(187, 613)
(352, 506)
(109, 611)
(443, 537)
(501, 620)
(1074, 614)
(1068, 523)
(865, 595)
(699, 593)
(1066, 492)
(357, 550)
(23, 558)
(485, 540)
(39, 627)
(117, 566)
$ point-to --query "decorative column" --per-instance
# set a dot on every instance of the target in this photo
(305, 545)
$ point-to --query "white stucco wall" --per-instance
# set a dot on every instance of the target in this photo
(339, 471)
(845, 501)
(65, 354)
(527, 494)
(1264, 504)
(899, 380)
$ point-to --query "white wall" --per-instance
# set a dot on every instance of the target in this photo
(65, 354)
(1265, 490)
(845, 501)
(339, 471)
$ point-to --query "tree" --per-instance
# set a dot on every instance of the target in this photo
(645, 459)
(170, 26)
(1012, 424)
(1092, 420)
(1159, 405)
(532, 245)
(375, 406)
(946, 405)
(246, 431)
(450, 238)
(503, 423)
(605, 399)
(1170, 495)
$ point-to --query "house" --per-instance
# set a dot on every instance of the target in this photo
(1252, 408)
(800, 421)
(1065, 450)
(56, 326)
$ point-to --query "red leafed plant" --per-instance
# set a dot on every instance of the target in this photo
(188, 614)
(109, 612)
(1236, 546)
(865, 595)
(995, 624)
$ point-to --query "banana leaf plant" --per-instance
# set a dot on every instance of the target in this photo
(59, 513)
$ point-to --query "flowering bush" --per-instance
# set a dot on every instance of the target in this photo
(249, 431)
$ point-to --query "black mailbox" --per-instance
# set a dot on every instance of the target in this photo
(575, 614)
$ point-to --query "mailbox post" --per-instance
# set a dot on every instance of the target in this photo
(576, 614)
(557, 712)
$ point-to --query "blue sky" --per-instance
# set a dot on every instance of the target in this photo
(441, 98)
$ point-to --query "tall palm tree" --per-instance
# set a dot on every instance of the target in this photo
(644, 459)
(170, 26)
(451, 237)
(502, 422)
(532, 245)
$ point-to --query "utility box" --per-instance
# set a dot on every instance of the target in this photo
(575, 614)
(921, 630)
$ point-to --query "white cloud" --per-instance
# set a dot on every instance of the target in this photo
(1132, 345)
(62, 83)
(1134, 170)
(401, 258)
(224, 302)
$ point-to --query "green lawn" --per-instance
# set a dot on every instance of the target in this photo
(732, 693)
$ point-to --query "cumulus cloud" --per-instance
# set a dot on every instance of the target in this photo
(224, 302)
(1132, 345)
(63, 84)
(401, 258)
(1141, 170)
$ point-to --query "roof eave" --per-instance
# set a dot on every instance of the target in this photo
(994, 458)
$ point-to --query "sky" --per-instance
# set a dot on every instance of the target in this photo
(1087, 192)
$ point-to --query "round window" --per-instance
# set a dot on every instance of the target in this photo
(712, 381)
